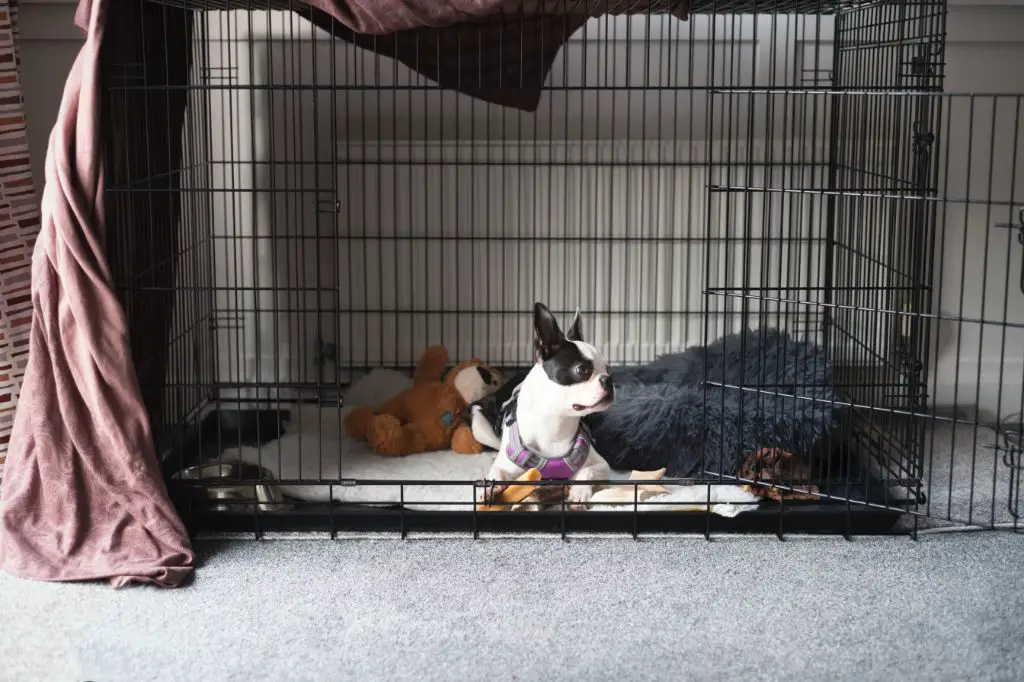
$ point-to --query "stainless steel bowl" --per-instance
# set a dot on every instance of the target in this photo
(234, 495)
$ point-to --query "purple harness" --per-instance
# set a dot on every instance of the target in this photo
(560, 469)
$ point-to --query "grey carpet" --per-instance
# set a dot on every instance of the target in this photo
(966, 481)
(949, 607)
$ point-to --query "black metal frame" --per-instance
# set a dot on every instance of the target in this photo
(886, 70)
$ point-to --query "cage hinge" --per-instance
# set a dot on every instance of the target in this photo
(324, 352)
(911, 365)
(916, 393)
(1017, 226)
(908, 362)
(1008, 444)
(926, 64)
(922, 65)
(923, 138)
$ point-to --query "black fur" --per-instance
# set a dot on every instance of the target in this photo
(568, 366)
(493, 407)
(673, 412)
(548, 339)
(487, 376)
(561, 359)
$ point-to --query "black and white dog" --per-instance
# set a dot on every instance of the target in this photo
(539, 413)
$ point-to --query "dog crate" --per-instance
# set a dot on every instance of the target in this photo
(332, 204)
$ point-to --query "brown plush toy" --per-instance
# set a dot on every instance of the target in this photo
(769, 465)
(428, 416)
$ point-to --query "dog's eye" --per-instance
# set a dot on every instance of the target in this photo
(583, 371)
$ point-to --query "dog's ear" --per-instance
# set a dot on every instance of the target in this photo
(575, 332)
(547, 337)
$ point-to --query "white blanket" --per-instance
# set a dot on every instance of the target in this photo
(315, 450)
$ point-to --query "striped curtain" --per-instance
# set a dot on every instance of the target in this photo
(19, 225)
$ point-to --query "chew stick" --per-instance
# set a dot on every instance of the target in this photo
(656, 475)
(625, 494)
(621, 494)
(514, 494)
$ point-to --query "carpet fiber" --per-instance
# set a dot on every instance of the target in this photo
(948, 607)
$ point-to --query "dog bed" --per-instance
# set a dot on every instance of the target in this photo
(777, 394)
(315, 449)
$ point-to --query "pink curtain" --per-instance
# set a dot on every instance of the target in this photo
(19, 225)
(82, 497)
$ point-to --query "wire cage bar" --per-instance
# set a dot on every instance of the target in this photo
(325, 210)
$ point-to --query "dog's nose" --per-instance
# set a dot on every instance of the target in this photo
(606, 383)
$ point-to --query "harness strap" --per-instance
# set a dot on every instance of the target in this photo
(559, 469)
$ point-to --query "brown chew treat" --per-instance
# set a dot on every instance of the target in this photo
(656, 475)
(624, 494)
(514, 494)
(769, 465)
(627, 494)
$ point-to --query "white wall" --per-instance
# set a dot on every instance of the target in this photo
(49, 44)
(980, 264)
(985, 43)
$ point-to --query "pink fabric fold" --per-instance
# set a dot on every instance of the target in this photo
(82, 496)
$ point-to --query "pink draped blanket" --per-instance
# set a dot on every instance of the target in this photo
(82, 495)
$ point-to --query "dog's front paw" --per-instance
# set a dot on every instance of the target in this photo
(579, 497)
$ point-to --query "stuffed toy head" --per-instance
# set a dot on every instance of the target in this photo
(473, 380)
(430, 414)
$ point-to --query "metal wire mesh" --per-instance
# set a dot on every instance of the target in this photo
(749, 167)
